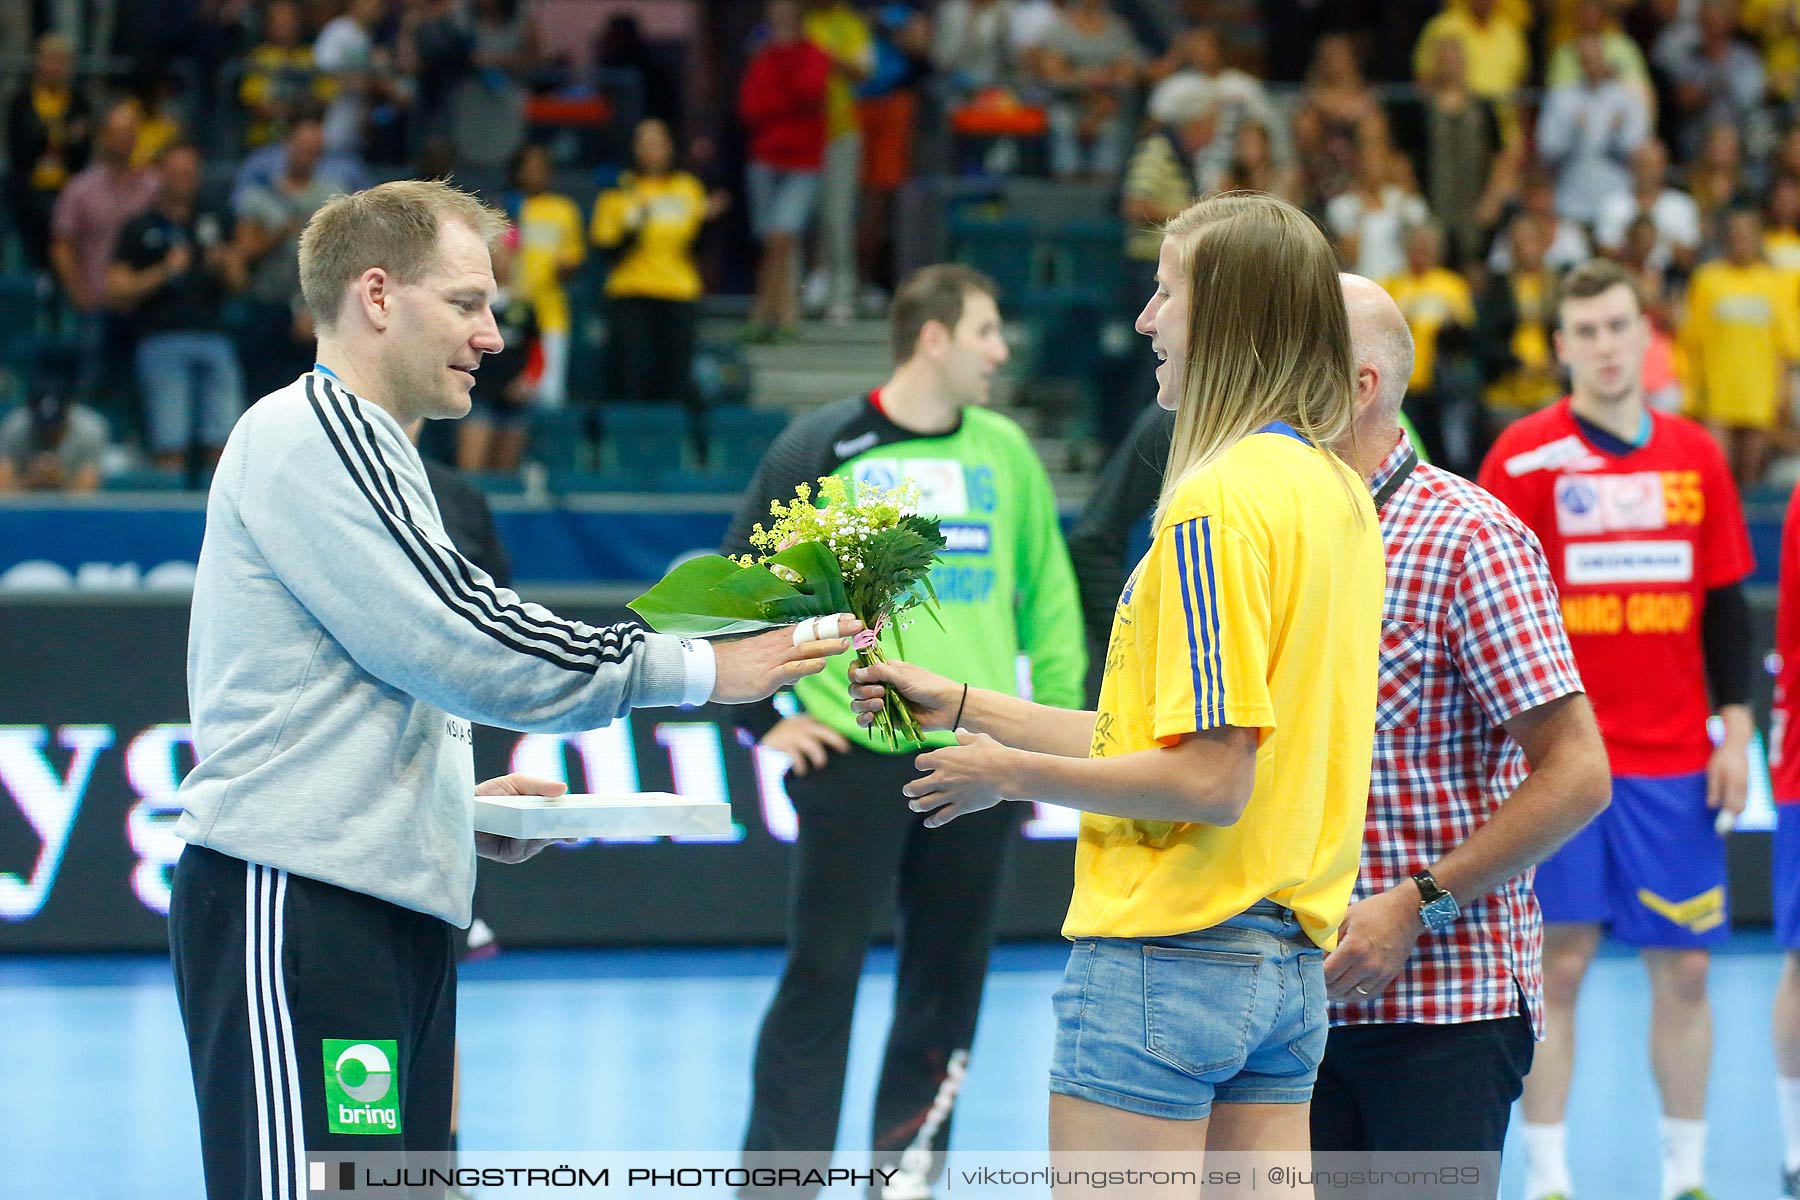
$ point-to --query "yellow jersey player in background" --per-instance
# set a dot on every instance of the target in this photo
(551, 251)
(1742, 335)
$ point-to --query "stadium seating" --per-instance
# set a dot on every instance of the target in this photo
(653, 448)
(1062, 281)
(496, 483)
(562, 439)
(145, 479)
(738, 437)
(642, 443)
(21, 317)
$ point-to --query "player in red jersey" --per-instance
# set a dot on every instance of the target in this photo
(1784, 763)
(1641, 523)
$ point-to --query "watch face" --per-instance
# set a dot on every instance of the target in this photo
(1439, 912)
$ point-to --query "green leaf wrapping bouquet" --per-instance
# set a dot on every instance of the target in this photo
(858, 549)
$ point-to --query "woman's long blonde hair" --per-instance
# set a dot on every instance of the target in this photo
(1268, 339)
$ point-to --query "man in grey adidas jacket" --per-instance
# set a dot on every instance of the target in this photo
(339, 649)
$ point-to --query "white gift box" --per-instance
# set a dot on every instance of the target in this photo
(625, 815)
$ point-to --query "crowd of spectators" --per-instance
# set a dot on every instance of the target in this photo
(156, 186)
(1461, 152)
(1512, 141)
(1526, 138)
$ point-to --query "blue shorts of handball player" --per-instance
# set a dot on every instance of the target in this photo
(1786, 868)
(1650, 868)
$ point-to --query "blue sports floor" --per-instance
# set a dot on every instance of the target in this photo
(649, 1050)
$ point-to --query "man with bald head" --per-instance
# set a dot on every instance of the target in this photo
(1487, 758)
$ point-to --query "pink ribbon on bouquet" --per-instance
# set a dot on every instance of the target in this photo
(867, 638)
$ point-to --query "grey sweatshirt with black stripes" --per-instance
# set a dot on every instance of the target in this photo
(339, 647)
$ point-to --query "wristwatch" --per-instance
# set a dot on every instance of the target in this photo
(1438, 909)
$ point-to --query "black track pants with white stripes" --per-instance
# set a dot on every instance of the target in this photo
(318, 1019)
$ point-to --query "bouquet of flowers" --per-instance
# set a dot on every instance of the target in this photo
(863, 551)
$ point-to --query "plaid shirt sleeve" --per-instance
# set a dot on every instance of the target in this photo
(1505, 630)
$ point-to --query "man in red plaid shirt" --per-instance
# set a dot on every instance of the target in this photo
(1487, 758)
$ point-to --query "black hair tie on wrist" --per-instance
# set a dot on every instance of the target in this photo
(957, 724)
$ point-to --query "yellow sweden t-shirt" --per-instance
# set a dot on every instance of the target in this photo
(1743, 327)
(1259, 606)
(660, 263)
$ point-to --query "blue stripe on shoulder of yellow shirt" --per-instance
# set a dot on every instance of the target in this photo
(1199, 602)
(1200, 605)
(1212, 607)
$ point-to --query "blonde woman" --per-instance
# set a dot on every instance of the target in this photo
(1224, 778)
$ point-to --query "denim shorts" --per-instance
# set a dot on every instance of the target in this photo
(780, 201)
(1165, 1026)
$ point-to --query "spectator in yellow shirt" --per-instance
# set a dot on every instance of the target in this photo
(1431, 297)
(1434, 300)
(159, 118)
(1499, 56)
(1742, 336)
(551, 249)
(1515, 317)
(647, 224)
(280, 79)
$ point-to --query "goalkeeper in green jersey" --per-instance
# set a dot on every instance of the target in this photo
(1007, 598)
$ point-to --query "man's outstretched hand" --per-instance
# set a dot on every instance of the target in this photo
(756, 667)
